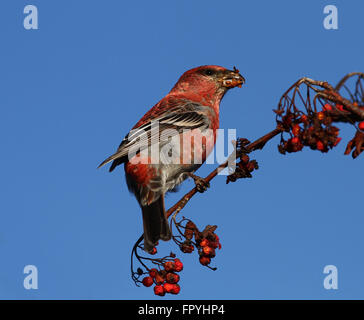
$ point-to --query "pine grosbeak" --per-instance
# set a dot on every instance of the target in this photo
(186, 113)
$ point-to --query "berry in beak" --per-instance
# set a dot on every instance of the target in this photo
(232, 79)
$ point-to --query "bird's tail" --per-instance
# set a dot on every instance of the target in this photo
(155, 224)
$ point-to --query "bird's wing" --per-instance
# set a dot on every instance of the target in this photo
(189, 115)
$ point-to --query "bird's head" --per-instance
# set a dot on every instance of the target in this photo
(210, 80)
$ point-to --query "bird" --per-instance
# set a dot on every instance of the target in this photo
(154, 153)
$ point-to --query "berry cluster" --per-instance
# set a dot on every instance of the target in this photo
(245, 166)
(206, 242)
(187, 246)
(207, 247)
(166, 279)
(313, 130)
(243, 169)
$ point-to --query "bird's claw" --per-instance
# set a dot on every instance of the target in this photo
(201, 184)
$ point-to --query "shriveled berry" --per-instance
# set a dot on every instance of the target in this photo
(187, 248)
(335, 131)
(159, 279)
(205, 260)
(244, 158)
(172, 277)
(214, 244)
(139, 271)
(250, 166)
(190, 229)
(159, 290)
(154, 251)
(169, 266)
(153, 272)
(337, 141)
(147, 281)
(178, 265)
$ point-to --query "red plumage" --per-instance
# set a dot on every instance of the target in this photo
(190, 109)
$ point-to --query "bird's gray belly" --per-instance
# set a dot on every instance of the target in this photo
(171, 176)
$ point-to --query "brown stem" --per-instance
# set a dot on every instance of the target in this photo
(257, 144)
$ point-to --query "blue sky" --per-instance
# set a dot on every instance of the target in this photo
(72, 89)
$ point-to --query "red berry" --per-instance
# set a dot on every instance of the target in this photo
(296, 130)
(153, 272)
(361, 125)
(303, 118)
(168, 287)
(327, 107)
(187, 248)
(340, 107)
(159, 291)
(205, 260)
(295, 140)
(204, 242)
(172, 277)
(319, 145)
(169, 266)
(320, 115)
(147, 281)
(176, 289)
(207, 250)
(154, 251)
(178, 265)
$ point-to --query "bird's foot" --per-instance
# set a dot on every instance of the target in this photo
(201, 183)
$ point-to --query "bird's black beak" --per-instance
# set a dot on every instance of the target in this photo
(232, 79)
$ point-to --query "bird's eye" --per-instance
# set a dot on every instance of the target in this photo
(209, 72)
